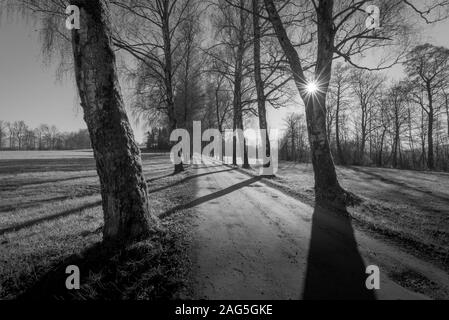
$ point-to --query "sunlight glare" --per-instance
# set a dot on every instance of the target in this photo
(312, 87)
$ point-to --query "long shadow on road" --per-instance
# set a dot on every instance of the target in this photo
(211, 196)
(335, 269)
(185, 180)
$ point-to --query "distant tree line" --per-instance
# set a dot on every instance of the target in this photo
(18, 135)
(158, 139)
(372, 120)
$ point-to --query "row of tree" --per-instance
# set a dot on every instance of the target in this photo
(217, 61)
(18, 135)
(372, 120)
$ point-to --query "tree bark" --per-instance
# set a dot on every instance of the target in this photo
(430, 159)
(123, 188)
(337, 127)
(168, 74)
(363, 133)
(237, 102)
(395, 150)
(423, 140)
(327, 188)
(237, 108)
(293, 153)
(446, 95)
(261, 99)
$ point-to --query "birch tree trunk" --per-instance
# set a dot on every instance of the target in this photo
(123, 187)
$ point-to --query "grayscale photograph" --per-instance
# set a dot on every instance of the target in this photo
(222, 156)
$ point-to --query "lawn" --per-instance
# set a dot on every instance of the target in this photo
(50, 212)
(50, 216)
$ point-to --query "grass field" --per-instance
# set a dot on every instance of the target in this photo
(50, 210)
(50, 214)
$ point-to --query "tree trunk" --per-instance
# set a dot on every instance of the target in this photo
(123, 187)
(430, 160)
(236, 112)
(293, 153)
(446, 95)
(382, 139)
(363, 132)
(395, 150)
(168, 74)
(396, 137)
(237, 102)
(337, 127)
(261, 100)
(327, 188)
(423, 140)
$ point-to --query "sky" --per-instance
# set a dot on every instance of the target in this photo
(29, 90)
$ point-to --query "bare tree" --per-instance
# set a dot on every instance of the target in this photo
(326, 184)
(384, 124)
(428, 67)
(398, 113)
(150, 32)
(340, 31)
(446, 104)
(291, 123)
(294, 142)
(123, 187)
(365, 87)
(12, 129)
(261, 99)
(221, 98)
(188, 96)
(2, 132)
(230, 58)
(338, 96)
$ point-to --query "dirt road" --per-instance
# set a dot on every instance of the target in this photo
(251, 241)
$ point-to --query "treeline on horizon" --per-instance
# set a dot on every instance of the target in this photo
(19, 136)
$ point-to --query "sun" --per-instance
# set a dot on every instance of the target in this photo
(312, 87)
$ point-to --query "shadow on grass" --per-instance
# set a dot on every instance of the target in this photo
(335, 269)
(13, 187)
(141, 271)
(46, 165)
(153, 269)
(63, 214)
(398, 183)
(31, 204)
(149, 270)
